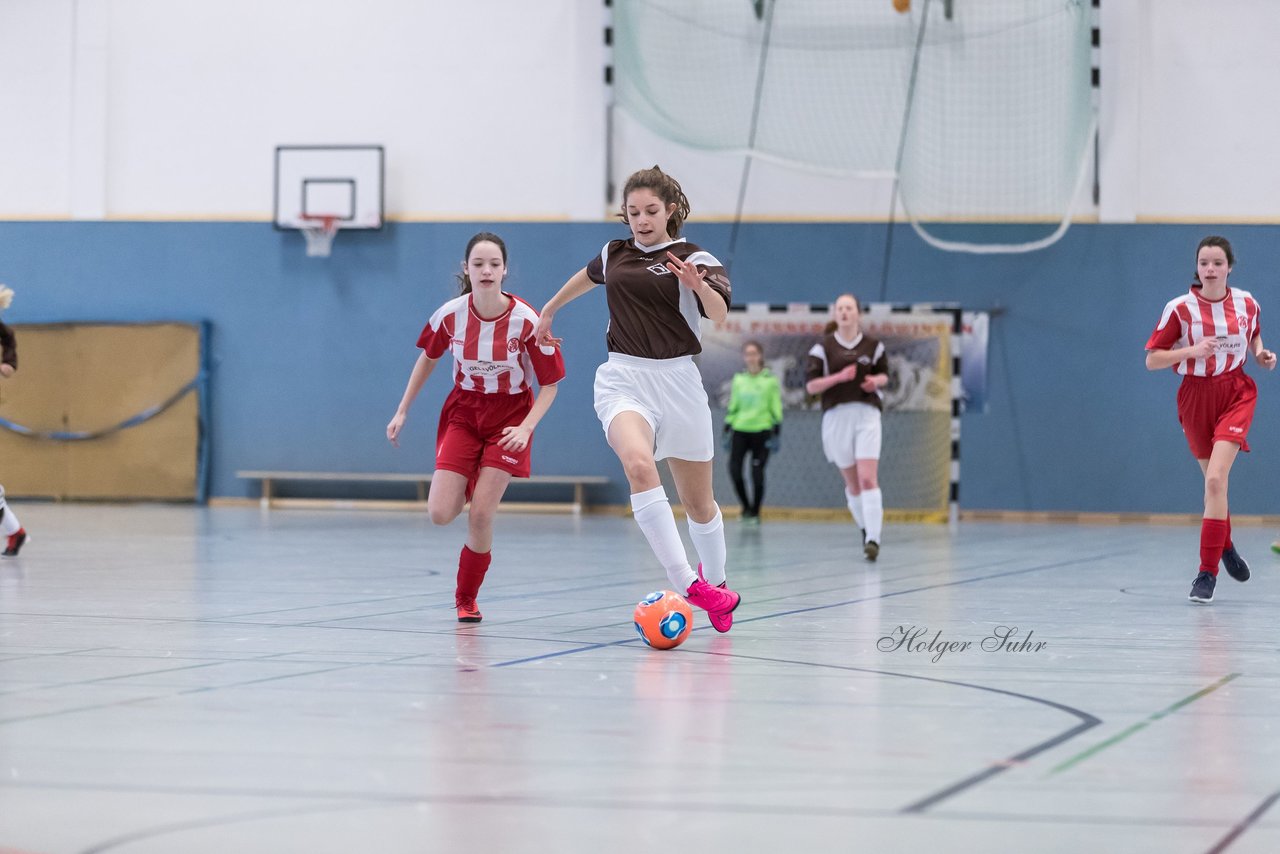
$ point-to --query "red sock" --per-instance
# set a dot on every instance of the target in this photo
(1213, 535)
(471, 569)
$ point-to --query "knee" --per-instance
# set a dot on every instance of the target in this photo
(481, 521)
(701, 512)
(1215, 484)
(866, 482)
(442, 515)
(639, 469)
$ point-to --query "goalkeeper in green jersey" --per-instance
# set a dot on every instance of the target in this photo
(753, 425)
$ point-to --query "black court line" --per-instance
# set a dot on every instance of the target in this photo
(685, 804)
(1087, 722)
(197, 824)
(201, 689)
(1243, 825)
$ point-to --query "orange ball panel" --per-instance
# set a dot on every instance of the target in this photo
(663, 619)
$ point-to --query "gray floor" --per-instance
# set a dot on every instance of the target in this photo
(184, 680)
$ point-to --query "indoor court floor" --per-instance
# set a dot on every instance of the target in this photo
(179, 680)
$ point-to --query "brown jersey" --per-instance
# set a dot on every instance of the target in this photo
(831, 355)
(8, 347)
(651, 315)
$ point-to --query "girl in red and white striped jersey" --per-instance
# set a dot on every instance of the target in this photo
(1205, 335)
(649, 395)
(487, 422)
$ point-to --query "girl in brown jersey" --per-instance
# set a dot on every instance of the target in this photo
(649, 394)
(848, 369)
(10, 528)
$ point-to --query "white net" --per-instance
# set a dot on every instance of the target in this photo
(996, 106)
(319, 232)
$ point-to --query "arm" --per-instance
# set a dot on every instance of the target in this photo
(579, 283)
(732, 409)
(8, 352)
(818, 385)
(1160, 359)
(712, 303)
(1261, 355)
(517, 438)
(871, 382)
(694, 278)
(775, 405)
(417, 378)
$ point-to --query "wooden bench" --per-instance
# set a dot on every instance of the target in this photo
(579, 482)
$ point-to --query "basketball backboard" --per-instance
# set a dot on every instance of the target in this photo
(339, 182)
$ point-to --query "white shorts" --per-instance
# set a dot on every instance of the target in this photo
(667, 393)
(851, 432)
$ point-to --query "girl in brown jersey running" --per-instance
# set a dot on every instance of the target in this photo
(649, 394)
(848, 369)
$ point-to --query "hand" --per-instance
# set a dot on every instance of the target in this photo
(726, 439)
(688, 274)
(542, 332)
(6, 370)
(1267, 359)
(870, 384)
(774, 443)
(848, 373)
(394, 428)
(1203, 350)
(515, 438)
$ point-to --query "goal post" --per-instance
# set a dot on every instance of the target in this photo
(919, 469)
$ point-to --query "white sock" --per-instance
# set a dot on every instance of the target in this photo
(855, 507)
(653, 514)
(9, 523)
(708, 541)
(873, 510)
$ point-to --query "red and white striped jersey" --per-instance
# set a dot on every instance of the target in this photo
(1233, 322)
(495, 356)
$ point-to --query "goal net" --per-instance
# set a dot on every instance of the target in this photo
(919, 461)
(985, 115)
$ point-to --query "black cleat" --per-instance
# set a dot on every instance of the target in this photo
(1236, 566)
(871, 550)
(1202, 588)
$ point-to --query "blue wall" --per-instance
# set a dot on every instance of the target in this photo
(310, 356)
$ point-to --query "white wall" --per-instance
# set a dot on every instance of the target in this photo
(495, 109)
(35, 108)
(487, 107)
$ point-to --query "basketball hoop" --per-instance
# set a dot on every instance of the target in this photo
(319, 229)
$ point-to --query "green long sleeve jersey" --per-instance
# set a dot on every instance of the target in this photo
(755, 402)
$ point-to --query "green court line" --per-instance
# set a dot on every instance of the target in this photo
(1123, 734)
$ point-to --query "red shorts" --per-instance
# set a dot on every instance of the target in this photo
(1216, 409)
(470, 428)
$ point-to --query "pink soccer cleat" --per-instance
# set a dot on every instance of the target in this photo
(719, 622)
(718, 602)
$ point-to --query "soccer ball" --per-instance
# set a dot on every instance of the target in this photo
(663, 619)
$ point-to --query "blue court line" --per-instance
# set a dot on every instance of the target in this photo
(594, 646)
